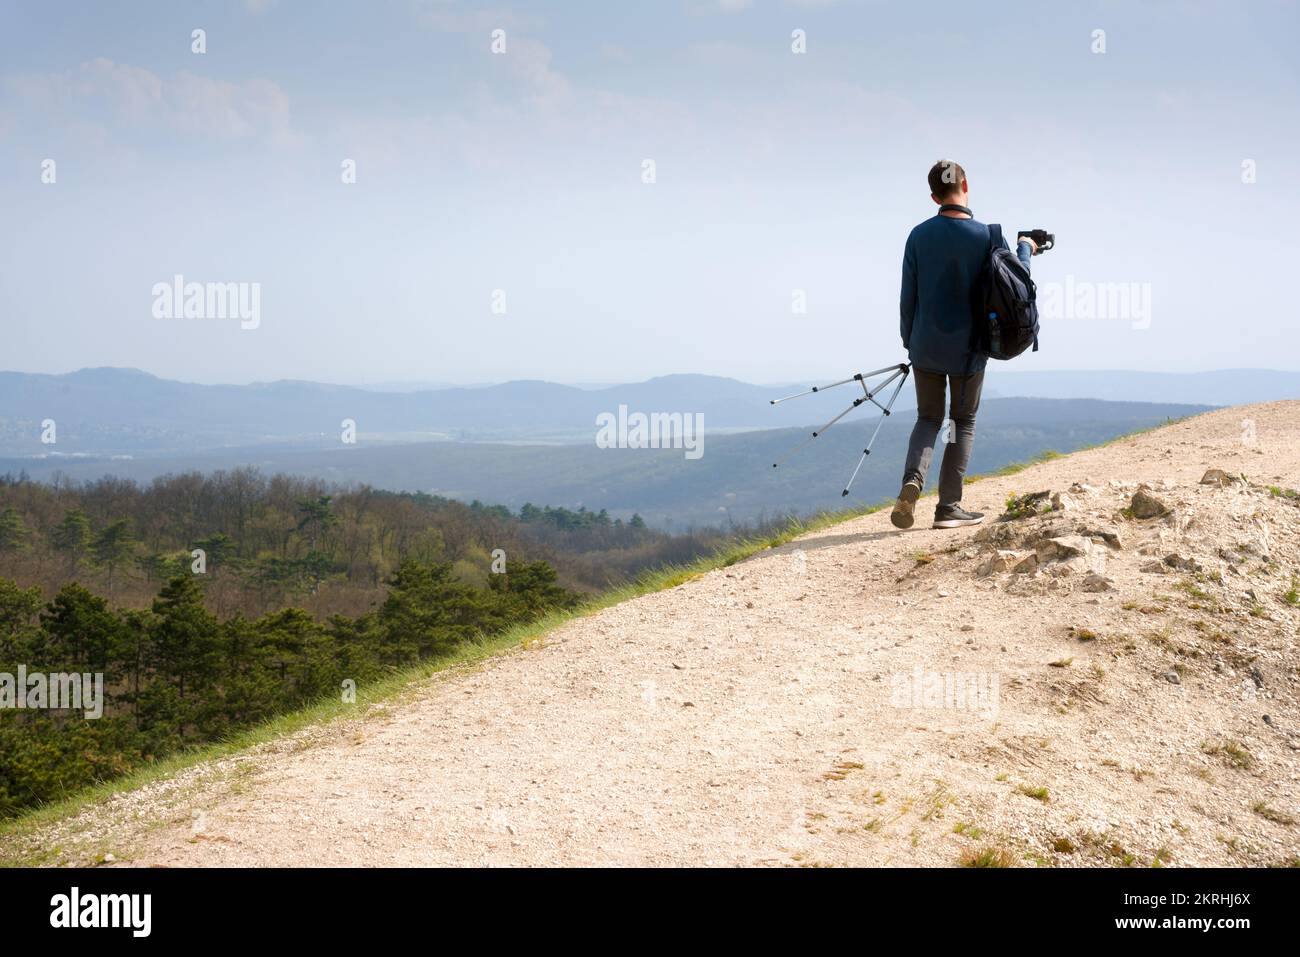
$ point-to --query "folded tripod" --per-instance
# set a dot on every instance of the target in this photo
(898, 372)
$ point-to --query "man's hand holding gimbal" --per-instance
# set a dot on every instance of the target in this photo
(1040, 240)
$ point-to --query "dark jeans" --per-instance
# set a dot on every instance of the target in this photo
(929, 422)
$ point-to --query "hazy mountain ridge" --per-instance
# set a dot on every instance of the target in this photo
(733, 481)
(129, 412)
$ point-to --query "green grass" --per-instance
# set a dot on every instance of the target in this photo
(1023, 506)
(1193, 590)
(988, 857)
(1045, 456)
(1232, 752)
(1269, 814)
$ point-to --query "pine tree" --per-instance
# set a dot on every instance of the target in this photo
(13, 531)
(316, 517)
(72, 537)
(429, 611)
(185, 635)
(532, 591)
(18, 610)
(113, 546)
(217, 549)
(82, 630)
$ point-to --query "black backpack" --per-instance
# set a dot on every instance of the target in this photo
(1004, 307)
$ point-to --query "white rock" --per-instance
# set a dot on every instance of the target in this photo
(1066, 546)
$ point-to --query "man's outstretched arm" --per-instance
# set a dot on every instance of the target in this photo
(1024, 249)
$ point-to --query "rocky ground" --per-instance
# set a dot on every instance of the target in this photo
(1106, 676)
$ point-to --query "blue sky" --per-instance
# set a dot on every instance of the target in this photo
(522, 172)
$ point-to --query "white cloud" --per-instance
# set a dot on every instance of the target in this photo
(526, 59)
(131, 92)
(136, 96)
(530, 61)
(135, 92)
(227, 110)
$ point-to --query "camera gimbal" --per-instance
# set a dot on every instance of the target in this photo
(1041, 237)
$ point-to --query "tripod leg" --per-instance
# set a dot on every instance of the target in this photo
(867, 451)
(902, 370)
(859, 377)
(869, 397)
(856, 403)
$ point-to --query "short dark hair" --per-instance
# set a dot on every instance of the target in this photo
(946, 177)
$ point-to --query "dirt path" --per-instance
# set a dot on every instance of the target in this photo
(760, 714)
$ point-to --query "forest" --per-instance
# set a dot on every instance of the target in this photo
(268, 541)
(211, 603)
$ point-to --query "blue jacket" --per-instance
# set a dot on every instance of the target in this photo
(942, 260)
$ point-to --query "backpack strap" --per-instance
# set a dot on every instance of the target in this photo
(995, 236)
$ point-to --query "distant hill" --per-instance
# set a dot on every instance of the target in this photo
(110, 411)
(131, 412)
(732, 482)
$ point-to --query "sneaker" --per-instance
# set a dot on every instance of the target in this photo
(901, 516)
(954, 516)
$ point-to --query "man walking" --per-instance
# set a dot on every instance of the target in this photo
(942, 263)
